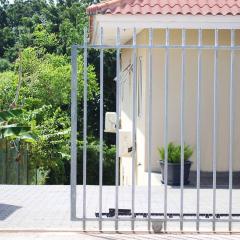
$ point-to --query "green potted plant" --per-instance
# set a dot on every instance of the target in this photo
(174, 163)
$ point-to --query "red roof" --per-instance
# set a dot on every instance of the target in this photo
(192, 7)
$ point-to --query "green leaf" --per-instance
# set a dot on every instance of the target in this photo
(67, 131)
(13, 130)
(28, 137)
(6, 115)
(174, 152)
(65, 155)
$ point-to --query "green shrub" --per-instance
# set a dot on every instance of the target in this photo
(93, 163)
(61, 173)
(4, 65)
(174, 152)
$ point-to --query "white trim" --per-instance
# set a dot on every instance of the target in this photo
(170, 21)
(111, 22)
(96, 30)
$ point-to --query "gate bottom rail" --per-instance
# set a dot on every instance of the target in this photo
(127, 212)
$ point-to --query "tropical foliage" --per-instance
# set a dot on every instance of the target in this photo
(11, 129)
(35, 70)
(174, 152)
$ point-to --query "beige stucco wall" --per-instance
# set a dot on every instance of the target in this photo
(190, 102)
(126, 113)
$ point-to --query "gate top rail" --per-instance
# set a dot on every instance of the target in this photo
(163, 46)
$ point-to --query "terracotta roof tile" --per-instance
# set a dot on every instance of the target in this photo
(193, 7)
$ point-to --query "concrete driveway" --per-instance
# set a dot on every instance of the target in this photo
(48, 207)
(97, 236)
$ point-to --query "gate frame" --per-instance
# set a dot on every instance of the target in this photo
(118, 46)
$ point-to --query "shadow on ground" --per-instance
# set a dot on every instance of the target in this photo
(7, 210)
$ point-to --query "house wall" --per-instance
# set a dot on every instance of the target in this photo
(126, 113)
(190, 102)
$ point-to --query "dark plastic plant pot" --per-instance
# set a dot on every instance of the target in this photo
(174, 172)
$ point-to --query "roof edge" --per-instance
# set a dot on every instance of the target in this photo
(185, 7)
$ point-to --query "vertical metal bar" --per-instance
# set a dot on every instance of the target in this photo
(182, 126)
(18, 163)
(231, 126)
(215, 127)
(18, 173)
(117, 126)
(101, 132)
(6, 159)
(166, 127)
(199, 79)
(134, 97)
(85, 128)
(36, 173)
(27, 158)
(73, 131)
(149, 97)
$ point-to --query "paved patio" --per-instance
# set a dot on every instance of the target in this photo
(48, 207)
(97, 236)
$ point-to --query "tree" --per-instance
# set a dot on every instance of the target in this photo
(45, 40)
(4, 65)
(35, 42)
(45, 99)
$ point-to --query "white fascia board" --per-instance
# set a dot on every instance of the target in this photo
(169, 21)
(95, 30)
(109, 23)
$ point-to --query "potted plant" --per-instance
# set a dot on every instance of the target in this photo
(174, 163)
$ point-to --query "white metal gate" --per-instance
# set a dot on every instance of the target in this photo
(165, 217)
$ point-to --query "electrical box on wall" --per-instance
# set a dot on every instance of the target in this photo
(110, 122)
(125, 143)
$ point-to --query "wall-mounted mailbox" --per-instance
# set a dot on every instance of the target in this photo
(125, 143)
(110, 122)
